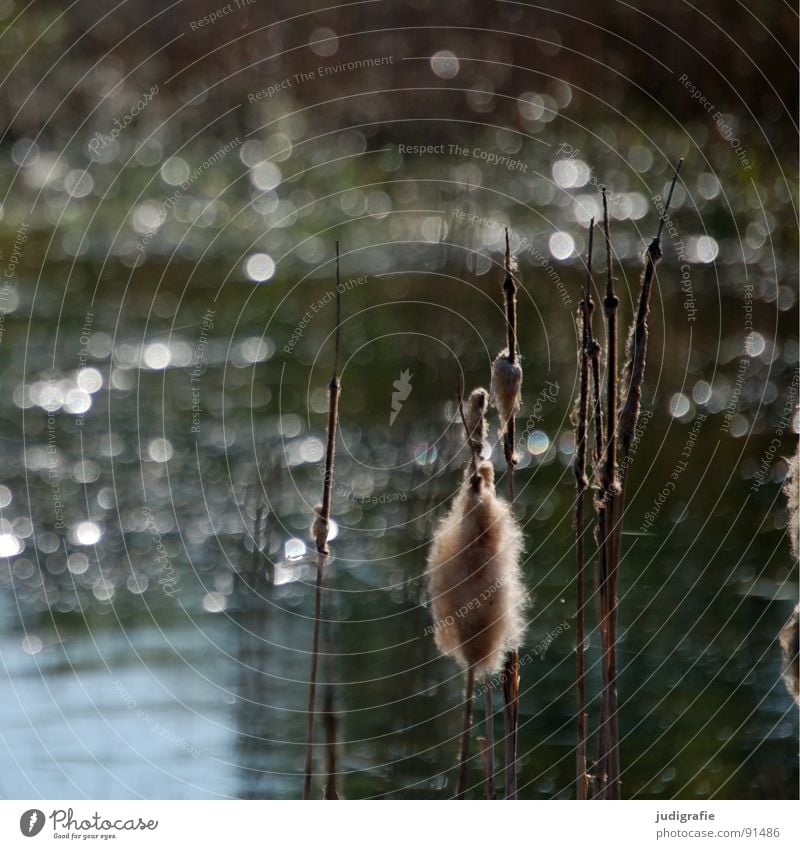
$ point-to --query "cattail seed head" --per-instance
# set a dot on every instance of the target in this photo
(319, 529)
(506, 386)
(475, 420)
(473, 577)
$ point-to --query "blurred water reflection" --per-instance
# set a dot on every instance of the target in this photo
(141, 575)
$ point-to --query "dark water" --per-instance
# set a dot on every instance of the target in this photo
(149, 651)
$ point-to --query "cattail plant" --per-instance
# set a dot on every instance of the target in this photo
(473, 577)
(507, 372)
(319, 533)
(581, 482)
(475, 425)
(610, 501)
(636, 345)
(636, 359)
(631, 398)
(595, 400)
(506, 395)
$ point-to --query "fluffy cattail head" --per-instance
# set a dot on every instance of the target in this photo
(790, 640)
(475, 421)
(473, 576)
(319, 530)
(506, 386)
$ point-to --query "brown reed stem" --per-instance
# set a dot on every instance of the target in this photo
(580, 671)
(511, 668)
(633, 378)
(488, 747)
(594, 352)
(610, 307)
(465, 734)
(331, 722)
(608, 772)
(510, 298)
(582, 485)
(510, 677)
(321, 524)
(510, 291)
(330, 719)
(601, 590)
(485, 766)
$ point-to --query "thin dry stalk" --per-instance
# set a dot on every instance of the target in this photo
(320, 533)
(582, 484)
(510, 298)
(594, 353)
(330, 718)
(510, 291)
(510, 677)
(511, 670)
(601, 589)
(461, 791)
(608, 772)
(632, 380)
(610, 307)
(330, 721)
(484, 766)
(487, 749)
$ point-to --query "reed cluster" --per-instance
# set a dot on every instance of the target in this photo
(612, 432)
(473, 569)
